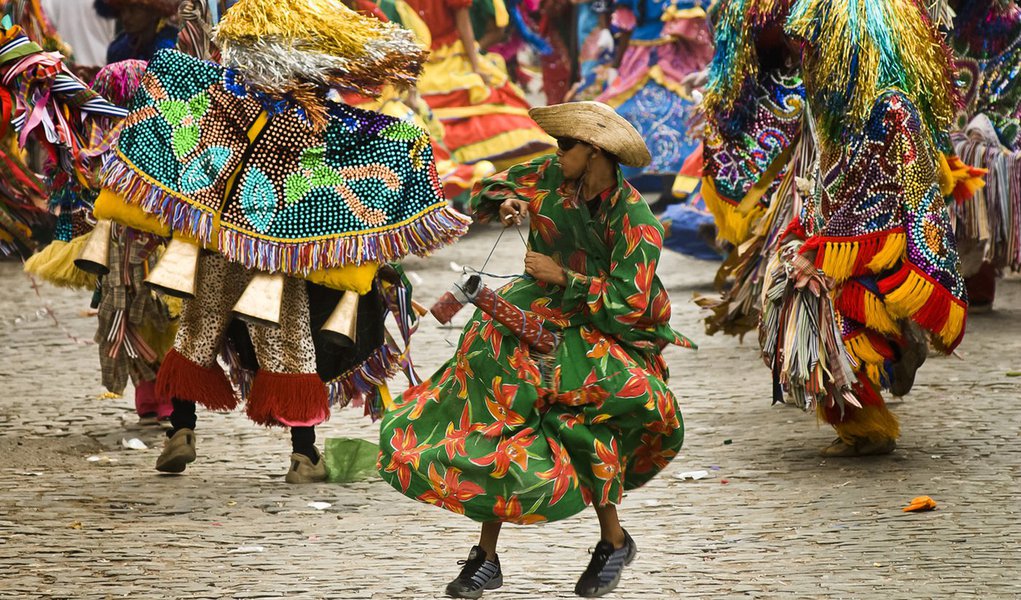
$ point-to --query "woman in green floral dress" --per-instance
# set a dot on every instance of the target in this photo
(501, 433)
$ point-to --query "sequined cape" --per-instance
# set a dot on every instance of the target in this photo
(254, 177)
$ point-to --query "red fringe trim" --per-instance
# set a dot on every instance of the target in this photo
(361, 384)
(287, 398)
(179, 377)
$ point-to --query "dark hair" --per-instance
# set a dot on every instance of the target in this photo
(104, 9)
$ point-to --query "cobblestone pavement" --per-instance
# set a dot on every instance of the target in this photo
(772, 521)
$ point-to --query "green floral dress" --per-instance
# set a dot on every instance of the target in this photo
(499, 433)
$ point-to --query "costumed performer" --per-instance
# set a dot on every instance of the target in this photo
(484, 115)
(507, 433)
(753, 151)
(146, 27)
(874, 235)
(283, 206)
(987, 42)
(660, 44)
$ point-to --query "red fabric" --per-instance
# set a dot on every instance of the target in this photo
(290, 399)
(147, 402)
(439, 17)
(982, 285)
(183, 379)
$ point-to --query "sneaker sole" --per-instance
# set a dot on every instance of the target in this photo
(492, 584)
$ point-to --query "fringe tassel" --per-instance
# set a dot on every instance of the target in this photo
(871, 422)
(181, 378)
(867, 348)
(858, 303)
(361, 385)
(910, 293)
(288, 399)
(959, 179)
(55, 265)
(731, 224)
(844, 257)
(433, 228)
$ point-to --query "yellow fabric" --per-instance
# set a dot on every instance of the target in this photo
(731, 226)
(499, 145)
(55, 264)
(356, 278)
(112, 206)
(873, 423)
(839, 259)
(655, 74)
(862, 351)
(448, 70)
(500, 14)
(411, 21)
(386, 397)
(684, 185)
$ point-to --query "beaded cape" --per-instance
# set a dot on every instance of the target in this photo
(251, 175)
(754, 158)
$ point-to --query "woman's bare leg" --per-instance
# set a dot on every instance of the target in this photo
(489, 536)
(609, 525)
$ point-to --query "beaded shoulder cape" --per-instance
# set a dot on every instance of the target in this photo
(251, 175)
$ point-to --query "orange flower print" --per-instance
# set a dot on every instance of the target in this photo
(510, 512)
(455, 439)
(607, 469)
(492, 335)
(510, 450)
(499, 407)
(651, 455)
(406, 455)
(571, 419)
(562, 474)
(448, 491)
(421, 396)
(637, 386)
(545, 227)
(668, 422)
(526, 369)
(637, 234)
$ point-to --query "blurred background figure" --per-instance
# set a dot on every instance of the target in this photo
(88, 33)
(146, 26)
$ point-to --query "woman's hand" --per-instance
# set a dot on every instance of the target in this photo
(545, 269)
(512, 211)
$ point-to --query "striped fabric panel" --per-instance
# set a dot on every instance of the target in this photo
(485, 574)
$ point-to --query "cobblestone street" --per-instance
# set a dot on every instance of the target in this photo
(772, 520)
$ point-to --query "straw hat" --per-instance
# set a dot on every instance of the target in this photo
(597, 124)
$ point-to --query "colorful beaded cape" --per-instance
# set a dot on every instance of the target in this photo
(252, 176)
(753, 158)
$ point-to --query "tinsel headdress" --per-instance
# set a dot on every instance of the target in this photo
(857, 49)
(734, 70)
(283, 45)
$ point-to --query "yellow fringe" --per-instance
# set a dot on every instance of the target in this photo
(955, 323)
(873, 423)
(683, 186)
(731, 225)
(112, 206)
(893, 250)
(909, 297)
(877, 317)
(55, 265)
(862, 351)
(839, 259)
(386, 397)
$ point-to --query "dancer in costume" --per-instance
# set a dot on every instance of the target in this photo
(514, 430)
(754, 103)
(661, 43)
(874, 233)
(987, 42)
(484, 115)
(282, 205)
(145, 28)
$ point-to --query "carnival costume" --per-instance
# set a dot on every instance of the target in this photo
(480, 121)
(507, 432)
(753, 150)
(874, 233)
(987, 44)
(269, 188)
(666, 42)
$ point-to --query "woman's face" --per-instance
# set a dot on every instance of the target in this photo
(573, 156)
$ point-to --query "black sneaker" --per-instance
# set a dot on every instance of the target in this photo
(477, 576)
(603, 572)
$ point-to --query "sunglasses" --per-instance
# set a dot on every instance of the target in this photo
(565, 144)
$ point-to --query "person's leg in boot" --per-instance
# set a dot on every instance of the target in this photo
(146, 403)
(287, 389)
(614, 551)
(189, 373)
(179, 449)
(307, 463)
(481, 570)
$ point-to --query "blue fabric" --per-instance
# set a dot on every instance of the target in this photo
(123, 48)
(661, 117)
(687, 229)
